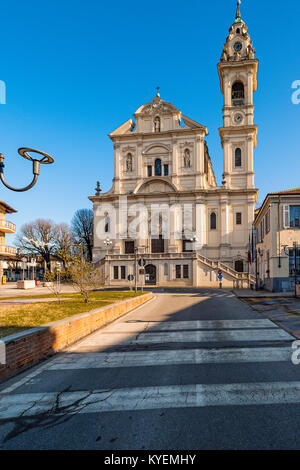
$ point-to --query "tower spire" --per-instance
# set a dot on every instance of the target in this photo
(238, 17)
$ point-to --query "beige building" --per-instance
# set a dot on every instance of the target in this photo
(162, 159)
(277, 225)
(6, 227)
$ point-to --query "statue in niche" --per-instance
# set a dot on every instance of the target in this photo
(157, 124)
(129, 166)
(187, 158)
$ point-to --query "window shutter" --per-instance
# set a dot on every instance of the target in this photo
(286, 216)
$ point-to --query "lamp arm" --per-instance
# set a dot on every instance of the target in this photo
(25, 153)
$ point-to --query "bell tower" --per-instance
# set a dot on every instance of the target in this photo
(238, 78)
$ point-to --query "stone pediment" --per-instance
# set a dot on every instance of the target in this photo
(155, 186)
(158, 106)
(156, 149)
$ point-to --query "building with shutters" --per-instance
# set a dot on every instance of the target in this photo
(277, 225)
(162, 159)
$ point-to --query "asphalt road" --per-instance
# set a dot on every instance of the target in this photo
(186, 371)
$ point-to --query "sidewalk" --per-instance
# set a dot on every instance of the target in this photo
(245, 293)
(10, 290)
(285, 311)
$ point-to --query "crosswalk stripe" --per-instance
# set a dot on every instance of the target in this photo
(146, 398)
(198, 336)
(174, 357)
(133, 327)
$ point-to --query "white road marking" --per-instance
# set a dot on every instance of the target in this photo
(146, 398)
(136, 326)
(276, 334)
(175, 357)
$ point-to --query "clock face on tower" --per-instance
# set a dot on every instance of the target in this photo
(238, 46)
(238, 118)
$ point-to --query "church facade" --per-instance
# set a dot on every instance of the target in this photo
(165, 208)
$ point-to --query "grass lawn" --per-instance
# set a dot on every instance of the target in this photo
(15, 318)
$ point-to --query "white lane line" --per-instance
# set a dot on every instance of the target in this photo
(197, 336)
(134, 327)
(176, 396)
(174, 357)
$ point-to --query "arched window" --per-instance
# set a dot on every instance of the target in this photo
(238, 94)
(157, 124)
(158, 167)
(238, 31)
(106, 223)
(239, 266)
(238, 157)
(213, 221)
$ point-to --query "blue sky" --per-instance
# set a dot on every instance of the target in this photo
(75, 70)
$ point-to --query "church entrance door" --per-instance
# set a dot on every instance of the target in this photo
(150, 272)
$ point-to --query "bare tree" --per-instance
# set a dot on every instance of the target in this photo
(82, 273)
(64, 240)
(82, 230)
(38, 238)
(53, 283)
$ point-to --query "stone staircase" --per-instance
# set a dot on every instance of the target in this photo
(236, 276)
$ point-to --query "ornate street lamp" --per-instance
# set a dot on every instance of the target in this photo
(107, 242)
(25, 153)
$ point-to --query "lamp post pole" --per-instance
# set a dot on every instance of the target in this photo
(108, 244)
(135, 268)
(295, 267)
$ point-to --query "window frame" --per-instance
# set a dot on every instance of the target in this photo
(238, 218)
(178, 271)
(158, 162)
(213, 214)
(185, 274)
(123, 272)
(238, 157)
(126, 243)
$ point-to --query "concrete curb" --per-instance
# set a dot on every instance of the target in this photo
(27, 348)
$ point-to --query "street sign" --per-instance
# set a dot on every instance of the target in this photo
(130, 277)
(24, 260)
(220, 276)
(33, 262)
(142, 262)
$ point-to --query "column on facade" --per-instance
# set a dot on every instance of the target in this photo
(175, 161)
(201, 225)
(224, 222)
(250, 90)
(227, 152)
(140, 160)
(117, 167)
(199, 162)
(250, 169)
(175, 225)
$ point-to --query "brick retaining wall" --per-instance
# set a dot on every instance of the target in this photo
(27, 348)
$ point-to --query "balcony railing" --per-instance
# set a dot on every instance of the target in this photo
(7, 225)
(8, 250)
